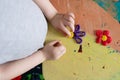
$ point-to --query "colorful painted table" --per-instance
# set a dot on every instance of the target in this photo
(95, 62)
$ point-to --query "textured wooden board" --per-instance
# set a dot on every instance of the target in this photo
(96, 62)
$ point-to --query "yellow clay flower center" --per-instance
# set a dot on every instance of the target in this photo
(72, 35)
(104, 37)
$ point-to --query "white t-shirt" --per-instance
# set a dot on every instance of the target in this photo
(23, 29)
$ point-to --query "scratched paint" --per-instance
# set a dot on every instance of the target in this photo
(91, 17)
(111, 7)
(96, 62)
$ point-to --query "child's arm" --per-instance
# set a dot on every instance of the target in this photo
(51, 51)
(59, 21)
(47, 8)
(15, 68)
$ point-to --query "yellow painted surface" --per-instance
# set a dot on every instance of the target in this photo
(96, 62)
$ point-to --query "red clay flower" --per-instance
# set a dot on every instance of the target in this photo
(103, 37)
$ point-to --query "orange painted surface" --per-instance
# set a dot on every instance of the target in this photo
(96, 62)
(91, 17)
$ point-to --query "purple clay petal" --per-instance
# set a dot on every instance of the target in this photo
(82, 33)
(78, 40)
(77, 28)
(79, 34)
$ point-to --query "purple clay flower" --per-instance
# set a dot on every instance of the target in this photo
(78, 34)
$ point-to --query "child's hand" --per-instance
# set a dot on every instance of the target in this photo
(53, 50)
(62, 21)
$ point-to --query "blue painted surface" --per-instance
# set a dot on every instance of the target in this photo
(114, 7)
(117, 6)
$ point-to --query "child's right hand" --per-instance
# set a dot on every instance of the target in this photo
(53, 50)
(64, 21)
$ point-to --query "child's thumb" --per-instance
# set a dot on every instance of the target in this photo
(55, 43)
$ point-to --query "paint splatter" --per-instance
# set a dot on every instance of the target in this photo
(88, 44)
(103, 67)
(74, 50)
(74, 74)
(80, 49)
(117, 43)
(111, 51)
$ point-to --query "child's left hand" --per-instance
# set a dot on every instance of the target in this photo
(62, 21)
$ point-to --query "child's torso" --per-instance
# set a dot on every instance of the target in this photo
(22, 29)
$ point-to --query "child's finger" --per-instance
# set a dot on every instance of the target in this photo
(53, 43)
(69, 21)
(72, 15)
(57, 44)
(69, 24)
(68, 18)
(65, 30)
